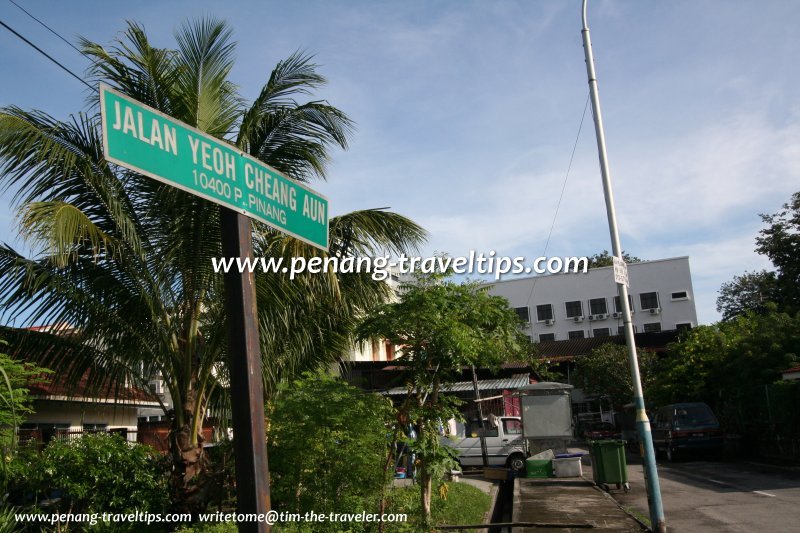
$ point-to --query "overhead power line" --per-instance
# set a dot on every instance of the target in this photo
(48, 56)
(561, 196)
(54, 32)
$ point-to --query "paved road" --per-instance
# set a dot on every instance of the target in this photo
(701, 495)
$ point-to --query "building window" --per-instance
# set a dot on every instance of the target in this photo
(523, 314)
(652, 327)
(618, 307)
(544, 312)
(545, 337)
(601, 332)
(95, 428)
(577, 334)
(597, 306)
(621, 330)
(649, 300)
(574, 309)
(680, 295)
(683, 326)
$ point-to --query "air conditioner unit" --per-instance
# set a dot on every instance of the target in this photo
(578, 319)
(654, 310)
(592, 317)
(616, 315)
(601, 316)
(548, 322)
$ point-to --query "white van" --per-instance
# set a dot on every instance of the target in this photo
(504, 442)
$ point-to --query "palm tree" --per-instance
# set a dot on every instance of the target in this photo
(126, 261)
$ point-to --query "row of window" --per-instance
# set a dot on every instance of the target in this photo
(598, 306)
(651, 327)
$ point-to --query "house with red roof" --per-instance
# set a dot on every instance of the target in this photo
(64, 410)
(791, 374)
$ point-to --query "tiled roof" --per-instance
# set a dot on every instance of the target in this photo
(53, 388)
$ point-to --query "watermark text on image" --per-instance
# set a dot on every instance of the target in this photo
(381, 267)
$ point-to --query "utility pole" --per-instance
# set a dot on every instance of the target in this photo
(642, 422)
(484, 450)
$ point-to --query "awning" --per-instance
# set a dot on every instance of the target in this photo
(514, 382)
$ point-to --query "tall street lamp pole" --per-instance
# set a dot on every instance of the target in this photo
(642, 422)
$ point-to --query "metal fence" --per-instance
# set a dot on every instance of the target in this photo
(45, 436)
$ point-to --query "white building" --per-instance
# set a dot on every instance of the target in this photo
(576, 306)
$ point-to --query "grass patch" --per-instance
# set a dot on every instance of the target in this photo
(639, 516)
(464, 504)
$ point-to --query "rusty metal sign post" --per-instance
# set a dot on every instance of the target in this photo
(246, 382)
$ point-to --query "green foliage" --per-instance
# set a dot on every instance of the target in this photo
(464, 504)
(328, 442)
(605, 259)
(728, 365)
(605, 372)
(755, 291)
(99, 473)
(780, 242)
(442, 326)
(15, 400)
(752, 291)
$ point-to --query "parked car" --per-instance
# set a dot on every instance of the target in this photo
(684, 428)
(504, 442)
(600, 430)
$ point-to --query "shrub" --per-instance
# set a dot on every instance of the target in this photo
(328, 443)
(101, 473)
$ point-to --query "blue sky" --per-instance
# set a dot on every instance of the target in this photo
(467, 113)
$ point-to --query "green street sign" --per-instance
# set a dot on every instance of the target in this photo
(147, 141)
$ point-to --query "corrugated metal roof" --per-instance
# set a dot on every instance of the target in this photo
(515, 381)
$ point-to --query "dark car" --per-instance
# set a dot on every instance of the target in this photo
(600, 430)
(685, 428)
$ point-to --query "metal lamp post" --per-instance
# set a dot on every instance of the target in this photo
(642, 422)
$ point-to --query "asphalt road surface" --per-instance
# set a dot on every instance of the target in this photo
(702, 495)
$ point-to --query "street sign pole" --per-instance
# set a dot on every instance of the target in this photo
(246, 385)
(642, 422)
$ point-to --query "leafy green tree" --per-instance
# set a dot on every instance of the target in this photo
(327, 443)
(780, 242)
(125, 261)
(728, 366)
(441, 327)
(604, 259)
(692, 368)
(605, 372)
(752, 291)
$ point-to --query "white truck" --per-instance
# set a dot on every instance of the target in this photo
(504, 442)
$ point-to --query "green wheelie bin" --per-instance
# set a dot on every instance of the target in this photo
(609, 466)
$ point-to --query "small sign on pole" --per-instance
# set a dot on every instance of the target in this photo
(620, 272)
